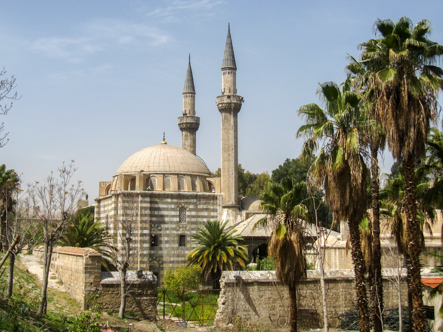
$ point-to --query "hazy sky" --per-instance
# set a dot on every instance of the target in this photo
(100, 80)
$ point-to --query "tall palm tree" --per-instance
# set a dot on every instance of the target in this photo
(284, 202)
(393, 203)
(405, 83)
(218, 249)
(339, 168)
(375, 140)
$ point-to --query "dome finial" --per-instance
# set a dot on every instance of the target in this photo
(164, 141)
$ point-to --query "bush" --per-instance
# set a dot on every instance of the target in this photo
(183, 278)
(266, 264)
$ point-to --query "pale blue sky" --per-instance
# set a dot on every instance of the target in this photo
(101, 80)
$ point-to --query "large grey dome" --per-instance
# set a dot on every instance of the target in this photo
(164, 158)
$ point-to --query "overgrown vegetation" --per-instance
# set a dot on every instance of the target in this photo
(183, 278)
(196, 306)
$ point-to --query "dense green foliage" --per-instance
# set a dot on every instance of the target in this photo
(182, 278)
(266, 264)
(83, 232)
(218, 249)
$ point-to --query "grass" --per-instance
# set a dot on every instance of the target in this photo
(63, 313)
(195, 305)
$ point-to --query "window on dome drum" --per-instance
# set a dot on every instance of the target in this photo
(182, 215)
(167, 183)
(154, 240)
(181, 183)
(194, 184)
(131, 184)
(152, 183)
(211, 187)
(182, 241)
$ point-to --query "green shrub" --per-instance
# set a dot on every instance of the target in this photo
(183, 278)
(266, 264)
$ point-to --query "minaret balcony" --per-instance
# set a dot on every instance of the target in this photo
(226, 99)
(188, 122)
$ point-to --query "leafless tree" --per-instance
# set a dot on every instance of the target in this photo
(122, 237)
(397, 264)
(321, 235)
(7, 86)
(20, 224)
(52, 202)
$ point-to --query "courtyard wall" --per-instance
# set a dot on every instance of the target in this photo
(258, 297)
(79, 269)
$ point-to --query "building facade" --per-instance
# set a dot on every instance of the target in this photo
(161, 195)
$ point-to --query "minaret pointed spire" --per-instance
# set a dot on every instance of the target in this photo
(189, 80)
(228, 57)
(189, 123)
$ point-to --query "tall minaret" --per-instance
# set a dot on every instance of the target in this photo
(229, 104)
(189, 123)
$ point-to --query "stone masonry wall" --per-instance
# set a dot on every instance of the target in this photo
(258, 297)
(80, 271)
(142, 294)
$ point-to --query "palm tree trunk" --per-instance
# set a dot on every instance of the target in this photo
(377, 286)
(408, 283)
(359, 269)
(414, 245)
(11, 274)
(293, 308)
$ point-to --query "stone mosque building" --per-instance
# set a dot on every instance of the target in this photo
(164, 193)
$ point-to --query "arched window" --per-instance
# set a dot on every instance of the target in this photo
(182, 215)
(194, 184)
(154, 240)
(108, 189)
(167, 183)
(131, 184)
(211, 187)
(181, 183)
(152, 183)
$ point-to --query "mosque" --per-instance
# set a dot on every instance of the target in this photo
(163, 193)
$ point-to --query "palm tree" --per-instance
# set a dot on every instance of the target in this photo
(9, 183)
(84, 232)
(434, 167)
(218, 249)
(284, 202)
(339, 168)
(393, 201)
(375, 140)
(405, 84)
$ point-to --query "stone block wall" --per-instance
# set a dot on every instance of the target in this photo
(142, 294)
(258, 297)
(80, 271)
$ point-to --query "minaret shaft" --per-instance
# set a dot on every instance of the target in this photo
(189, 123)
(229, 104)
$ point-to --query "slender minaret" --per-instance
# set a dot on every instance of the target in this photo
(189, 123)
(229, 104)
